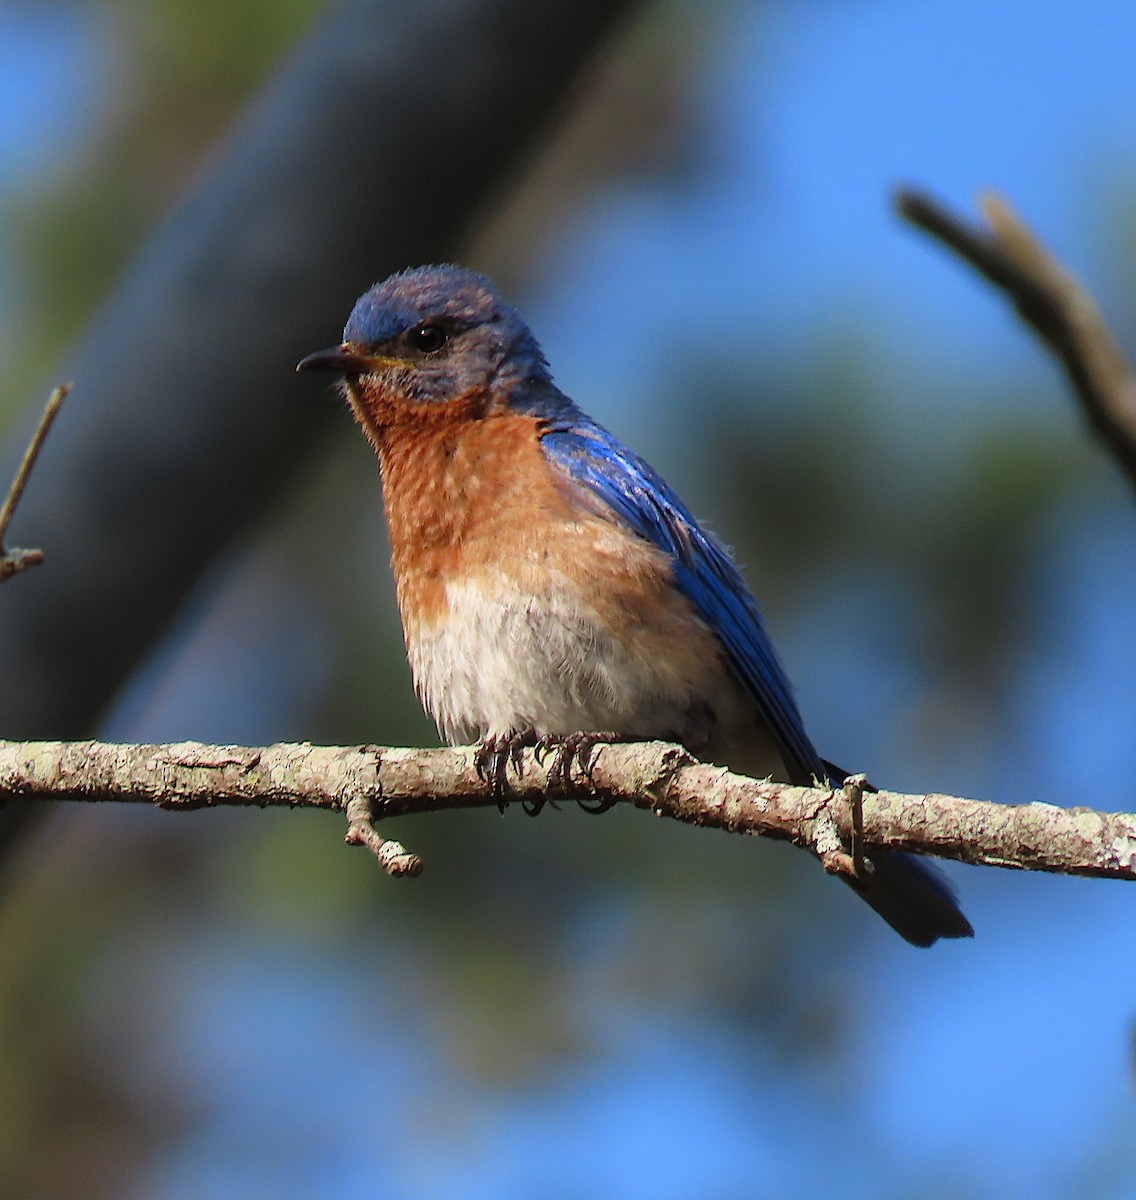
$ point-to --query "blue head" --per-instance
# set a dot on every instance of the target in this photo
(435, 334)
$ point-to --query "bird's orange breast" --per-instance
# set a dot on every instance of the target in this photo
(463, 496)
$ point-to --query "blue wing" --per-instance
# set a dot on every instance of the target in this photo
(703, 570)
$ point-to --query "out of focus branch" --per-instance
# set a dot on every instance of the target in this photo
(13, 561)
(1058, 309)
(370, 783)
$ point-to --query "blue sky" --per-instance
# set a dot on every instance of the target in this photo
(49, 75)
(819, 111)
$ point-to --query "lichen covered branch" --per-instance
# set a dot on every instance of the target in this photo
(371, 784)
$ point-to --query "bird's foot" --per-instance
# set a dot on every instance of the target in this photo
(568, 749)
(494, 755)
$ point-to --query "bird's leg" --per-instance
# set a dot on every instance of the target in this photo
(577, 748)
(494, 755)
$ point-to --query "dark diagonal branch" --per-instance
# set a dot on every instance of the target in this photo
(1051, 302)
(13, 561)
(369, 784)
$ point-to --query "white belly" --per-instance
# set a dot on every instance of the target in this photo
(505, 660)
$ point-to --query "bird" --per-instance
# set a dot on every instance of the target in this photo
(553, 588)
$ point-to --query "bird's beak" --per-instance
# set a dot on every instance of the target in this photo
(344, 359)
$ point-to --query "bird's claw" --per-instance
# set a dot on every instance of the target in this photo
(496, 753)
(568, 749)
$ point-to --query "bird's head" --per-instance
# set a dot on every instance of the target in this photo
(429, 337)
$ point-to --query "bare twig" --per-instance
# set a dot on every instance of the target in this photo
(13, 561)
(393, 857)
(369, 784)
(1059, 310)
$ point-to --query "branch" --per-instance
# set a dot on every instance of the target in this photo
(1058, 309)
(368, 784)
(13, 561)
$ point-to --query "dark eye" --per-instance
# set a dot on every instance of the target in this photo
(428, 338)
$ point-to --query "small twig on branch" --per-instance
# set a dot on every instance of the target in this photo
(1059, 310)
(369, 784)
(13, 561)
(393, 857)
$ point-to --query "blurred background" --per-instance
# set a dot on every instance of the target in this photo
(699, 230)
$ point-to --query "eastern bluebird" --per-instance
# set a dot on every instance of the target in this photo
(550, 583)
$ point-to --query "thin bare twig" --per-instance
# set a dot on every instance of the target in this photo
(1059, 310)
(393, 857)
(13, 561)
(369, 784)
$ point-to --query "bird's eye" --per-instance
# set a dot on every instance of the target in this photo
(428, 338)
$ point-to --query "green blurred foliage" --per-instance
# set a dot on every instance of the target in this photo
(959, 529)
